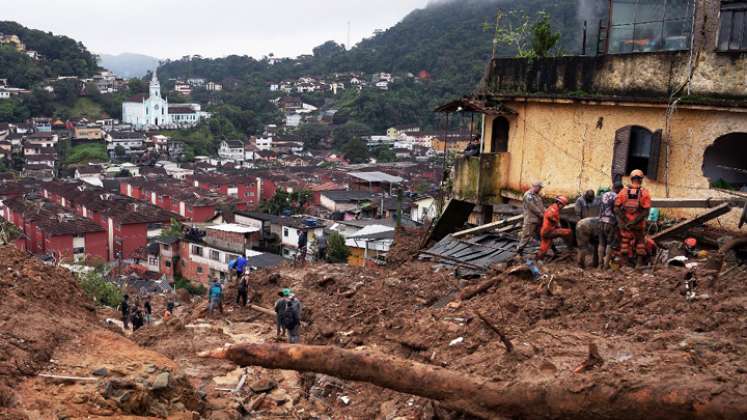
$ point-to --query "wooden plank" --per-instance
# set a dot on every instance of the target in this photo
(698, 220)
(490, 226)
(695, 203)
(64, 378)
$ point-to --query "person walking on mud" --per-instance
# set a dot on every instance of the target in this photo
(279, 309)
(148, 311)
(125, 308)
(215, 297)
(242, 293)
(291, 316)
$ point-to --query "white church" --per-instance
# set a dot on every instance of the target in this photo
(155, 112)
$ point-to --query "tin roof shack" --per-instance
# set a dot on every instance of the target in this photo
(129, 223)
(654, 98)
(50, 229)
(374, 181)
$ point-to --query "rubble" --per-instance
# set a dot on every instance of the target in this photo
(581, 330)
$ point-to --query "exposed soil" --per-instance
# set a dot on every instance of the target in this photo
(643, 329)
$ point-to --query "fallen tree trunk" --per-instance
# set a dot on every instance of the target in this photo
(561, 398)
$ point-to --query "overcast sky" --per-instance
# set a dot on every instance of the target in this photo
(174, 28)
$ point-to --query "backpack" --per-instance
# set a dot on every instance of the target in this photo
(289, 318)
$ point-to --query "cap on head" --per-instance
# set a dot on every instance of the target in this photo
(562, 200)
(287, 292)
(691, 242)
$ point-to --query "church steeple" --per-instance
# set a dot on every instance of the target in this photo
(155, 86)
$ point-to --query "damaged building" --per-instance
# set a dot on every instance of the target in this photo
(666, 92)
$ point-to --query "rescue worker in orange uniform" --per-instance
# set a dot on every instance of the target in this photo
(632, 206)
(551, 226)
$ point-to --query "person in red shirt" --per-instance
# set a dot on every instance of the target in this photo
(551, 226)
(632, 207)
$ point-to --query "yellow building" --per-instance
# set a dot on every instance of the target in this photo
(577, 123)
(88, 133)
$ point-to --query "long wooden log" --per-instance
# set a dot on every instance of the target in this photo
(663, 398)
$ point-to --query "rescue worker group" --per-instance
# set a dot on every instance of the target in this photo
(616, 234)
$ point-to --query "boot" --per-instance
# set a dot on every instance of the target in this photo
(607, 257)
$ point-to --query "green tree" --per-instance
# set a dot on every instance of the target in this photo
(311, 134)
(384, 154)
(175, 228)
(119, 151)
(100, 290)
(328, 49)
(337, 251)
(348, 132)
(283, 202)
(67, 91)
(544, 39)
(356, 151)
(137, 86)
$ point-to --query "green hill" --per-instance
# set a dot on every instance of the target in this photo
(61, 56)
(446, 39)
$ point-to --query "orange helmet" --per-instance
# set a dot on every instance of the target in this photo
(637, 173)
(691, 242)
(563, 200)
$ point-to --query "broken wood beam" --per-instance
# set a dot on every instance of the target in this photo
(695, 203)
(695, 221)
(263, 310)
(490, 226)
(670, 398)
(63, 378)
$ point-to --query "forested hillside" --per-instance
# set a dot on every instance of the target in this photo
(449, 40)
(60, 56)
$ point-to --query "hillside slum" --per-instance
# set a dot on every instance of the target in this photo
(567, 343)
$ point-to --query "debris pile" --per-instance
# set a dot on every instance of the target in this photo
(562, 344)
(58, 359)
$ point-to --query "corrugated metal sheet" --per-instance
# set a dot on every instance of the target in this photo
(478, 253)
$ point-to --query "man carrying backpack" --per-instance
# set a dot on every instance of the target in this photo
(291, 316)
(215, 297)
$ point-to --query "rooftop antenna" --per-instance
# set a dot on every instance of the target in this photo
(348, 42)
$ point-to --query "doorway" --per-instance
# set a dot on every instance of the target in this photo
(499, 136)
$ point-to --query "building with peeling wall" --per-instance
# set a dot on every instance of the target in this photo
(675, 109)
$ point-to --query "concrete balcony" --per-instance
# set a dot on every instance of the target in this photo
(479, 179)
